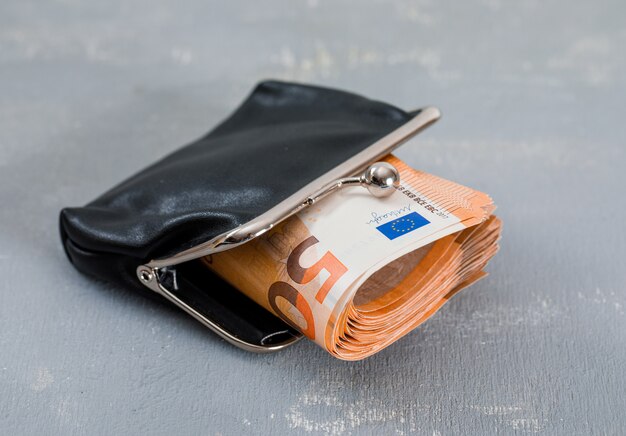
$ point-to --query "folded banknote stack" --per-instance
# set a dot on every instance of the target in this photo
(354, 273)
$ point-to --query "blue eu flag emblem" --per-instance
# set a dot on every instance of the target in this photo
(403, 225)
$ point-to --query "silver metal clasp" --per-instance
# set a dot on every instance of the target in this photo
(380, 178)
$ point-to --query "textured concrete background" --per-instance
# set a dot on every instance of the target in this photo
(533, 96)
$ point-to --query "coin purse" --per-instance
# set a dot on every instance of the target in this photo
(285, 147)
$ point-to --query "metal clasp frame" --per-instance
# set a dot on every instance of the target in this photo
(380, 178)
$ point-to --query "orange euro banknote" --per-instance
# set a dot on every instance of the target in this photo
(354, 273)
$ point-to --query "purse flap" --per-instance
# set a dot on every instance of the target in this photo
(281, 138)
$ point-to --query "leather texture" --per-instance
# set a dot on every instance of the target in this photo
(282, 137)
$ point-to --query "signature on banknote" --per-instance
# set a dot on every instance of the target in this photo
(378, 218)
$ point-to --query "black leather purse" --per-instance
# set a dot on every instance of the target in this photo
(284, 147)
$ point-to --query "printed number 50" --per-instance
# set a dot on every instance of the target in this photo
(301, 275)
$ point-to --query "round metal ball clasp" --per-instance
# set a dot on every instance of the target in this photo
(381, 179)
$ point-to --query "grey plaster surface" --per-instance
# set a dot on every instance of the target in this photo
(533, 96)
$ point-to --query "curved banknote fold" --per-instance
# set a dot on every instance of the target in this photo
(355, 273)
